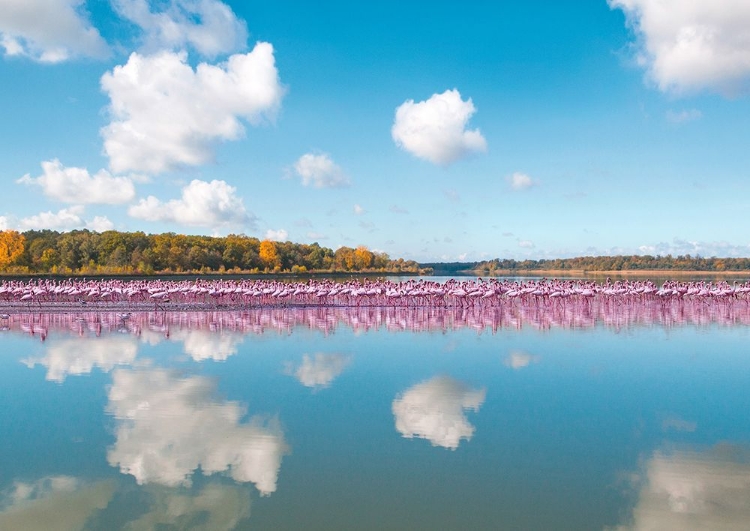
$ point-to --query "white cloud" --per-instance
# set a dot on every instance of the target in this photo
(434, 410)
(520, 181)
(76, 185)
(397, 209)
(168, 427)
(519, 360)
(49, 31)
(71, 356)
(435, 129)
(166, 115)
(209, 26)
(316, 236)
(526, 244)
(683, 116)
(206, 204)
(277, 235)
(319, 371)
(100, 224)
(358, 210)
(685, 491)
(692, 45)
(63, 220)
(320, 171)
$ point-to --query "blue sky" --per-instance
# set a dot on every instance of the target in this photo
(431, 132)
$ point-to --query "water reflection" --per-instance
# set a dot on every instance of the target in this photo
(154, 327)
(686, 490)
(518, 360)
(434, 410)
(71, 357)
(169, 426)
(66, 503)
(57, 502)
(319, 371)
(215, 507)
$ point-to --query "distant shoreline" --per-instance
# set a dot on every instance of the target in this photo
(619, 273)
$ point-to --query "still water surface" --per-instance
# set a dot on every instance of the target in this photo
(374, 420)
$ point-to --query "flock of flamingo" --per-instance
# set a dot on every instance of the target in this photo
(246, 306)
(240, 294)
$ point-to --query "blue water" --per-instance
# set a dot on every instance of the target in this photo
(180, 426)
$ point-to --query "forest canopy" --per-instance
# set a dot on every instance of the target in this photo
(113, 252)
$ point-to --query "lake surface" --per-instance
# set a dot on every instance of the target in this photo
(374, 419)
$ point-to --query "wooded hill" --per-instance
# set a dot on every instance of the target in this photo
(112, 252)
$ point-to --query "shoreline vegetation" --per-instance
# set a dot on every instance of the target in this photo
(112, 253)
(47, 253)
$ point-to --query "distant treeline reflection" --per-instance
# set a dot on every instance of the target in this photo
(113, 252)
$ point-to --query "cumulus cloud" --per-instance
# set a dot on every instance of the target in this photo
(520, 181)
(319, 371)
(100, 224)
(526, 244)
(435, 129)
(395, 209)
(208, 26)
(63, 220)
(686, 491)
(49, 31)
(692, 46)
(277, 235)
(76, 357)
(168, 427)
(62, 503)
(207, 204)
(519, 360)
(434, 410)
(320, 171)
(358, 210)
(166, 115)
(76, 185)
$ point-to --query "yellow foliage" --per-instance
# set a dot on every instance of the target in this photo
(363, 257)
(11, 247)
(268, 254)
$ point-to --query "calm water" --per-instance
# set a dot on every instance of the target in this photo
(372, 420)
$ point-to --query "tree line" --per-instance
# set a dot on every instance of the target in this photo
(138, 253)
(618, 263)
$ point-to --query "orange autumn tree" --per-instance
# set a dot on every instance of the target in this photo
(11, 247)
(268, 254)
(363, 257)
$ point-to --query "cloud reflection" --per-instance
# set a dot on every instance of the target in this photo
(684, 491)
(168, 426)
(79, 356)
(205, 345)
(319, 371)
(518, 360)
(215, 507)
(61, 503)
(434, 410)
